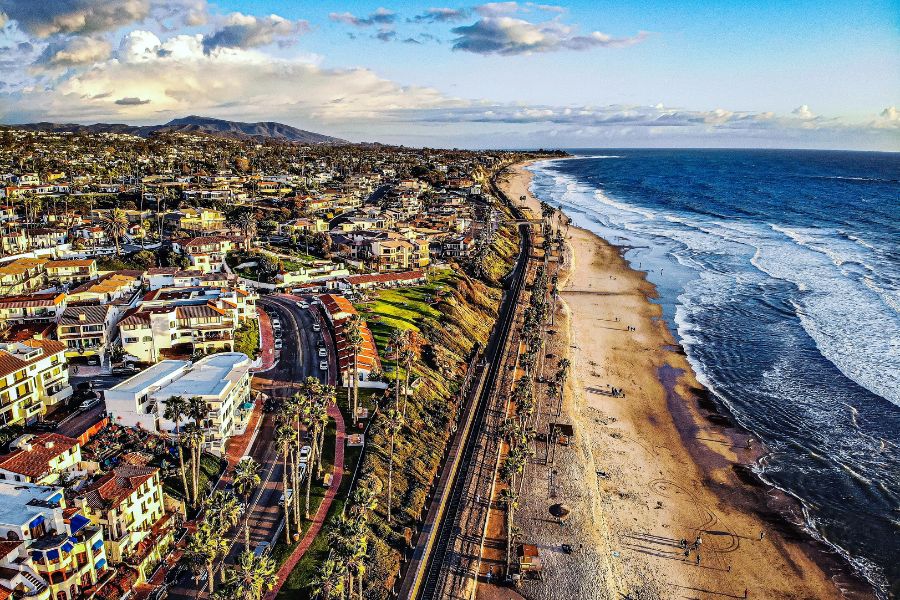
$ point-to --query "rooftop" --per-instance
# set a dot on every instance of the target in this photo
(151, 376)
(209, 376)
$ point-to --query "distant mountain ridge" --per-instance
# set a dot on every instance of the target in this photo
(194, 124)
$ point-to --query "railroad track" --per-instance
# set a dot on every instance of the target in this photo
(433, 554)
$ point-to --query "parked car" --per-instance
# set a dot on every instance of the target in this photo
(323, 365)
(278, 344)
(305, 451)
(317, 327)
(276, 324)
(303, 304)
(125, 370)
(90, 403)
(323, 352)
(94, 361)
(44, 426)
(301, 471)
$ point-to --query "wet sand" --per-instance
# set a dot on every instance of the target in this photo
(656, 466)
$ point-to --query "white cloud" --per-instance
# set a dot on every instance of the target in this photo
(382, 16)
(803, 112)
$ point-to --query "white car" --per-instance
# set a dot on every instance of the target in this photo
(303, 304)
(90, 403)
(278, 344)
(323, 365)
(276, 324)
(317, 327)
(323, 352)
(305, 451)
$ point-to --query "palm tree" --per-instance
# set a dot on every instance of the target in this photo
(315, 418)
(291, 410)
(510, 500)
(328, 583)
(192, 437)
(561, 376)
(207, 546)
(284, 441)
(176, 406)
(353, 335)
(408, 355)
(198, 411)
(251, 576)
(115, 224)
(394, 424)
(246, 480)
(222, 510)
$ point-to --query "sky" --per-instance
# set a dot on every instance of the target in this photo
(582, 73)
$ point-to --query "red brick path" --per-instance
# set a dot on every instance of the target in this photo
(322, 513)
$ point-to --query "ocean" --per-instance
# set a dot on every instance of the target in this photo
(779, 272)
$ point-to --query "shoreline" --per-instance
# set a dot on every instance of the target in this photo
(665, 463)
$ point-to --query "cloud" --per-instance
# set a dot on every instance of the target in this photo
(803, 112)
(381, 16)
(127, 101)
(386, 35)
(43, 18)
(510, 36)
(75, 51)
(248, 31)
(441, 15)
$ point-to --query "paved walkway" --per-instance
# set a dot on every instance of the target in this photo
(319, 520)
(267, 353)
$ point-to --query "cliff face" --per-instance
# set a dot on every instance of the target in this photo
(461, 314)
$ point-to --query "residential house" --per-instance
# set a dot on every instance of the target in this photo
(23, 275)
(207, 254)
(339, 310)
(118, 287)
(204, 219)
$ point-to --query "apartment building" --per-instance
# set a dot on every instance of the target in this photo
(71, 272)
(339, 310)
(33, 379)
(40, 459)
(33, 308)
(87, 330)
(51, 550)
(23, 275)
(221, 380)
(117, 286)
(128, 504)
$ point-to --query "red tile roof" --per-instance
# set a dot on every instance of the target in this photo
(113, 488)
(35, 463)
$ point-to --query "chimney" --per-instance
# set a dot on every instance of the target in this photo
(82, 317)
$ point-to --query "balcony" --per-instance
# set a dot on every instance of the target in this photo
(57, 396)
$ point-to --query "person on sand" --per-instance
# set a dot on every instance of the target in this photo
(698, 559)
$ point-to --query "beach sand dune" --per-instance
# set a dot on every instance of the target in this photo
(651, 468)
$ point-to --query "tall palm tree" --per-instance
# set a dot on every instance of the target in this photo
(207, 545)
(328, 583)
(394, 422)
(176, 406)
(222, 510)
(246, 480)
(115, 224)
(252, 576)
(353, 335)
(314, 417)
(192, 437)
(284, 441)
(510, 500)
(198, 411)
(408, 356)
(562, 374)
(291, 409)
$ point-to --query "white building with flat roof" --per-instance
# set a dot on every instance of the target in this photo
(221, 380)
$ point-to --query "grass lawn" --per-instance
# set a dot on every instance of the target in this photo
(298, 581)
(210, 467)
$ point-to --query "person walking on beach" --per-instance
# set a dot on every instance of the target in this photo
(762, 534)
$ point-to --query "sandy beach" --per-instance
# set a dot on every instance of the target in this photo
(654, 467)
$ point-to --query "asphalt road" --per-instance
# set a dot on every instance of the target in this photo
(298, 359)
